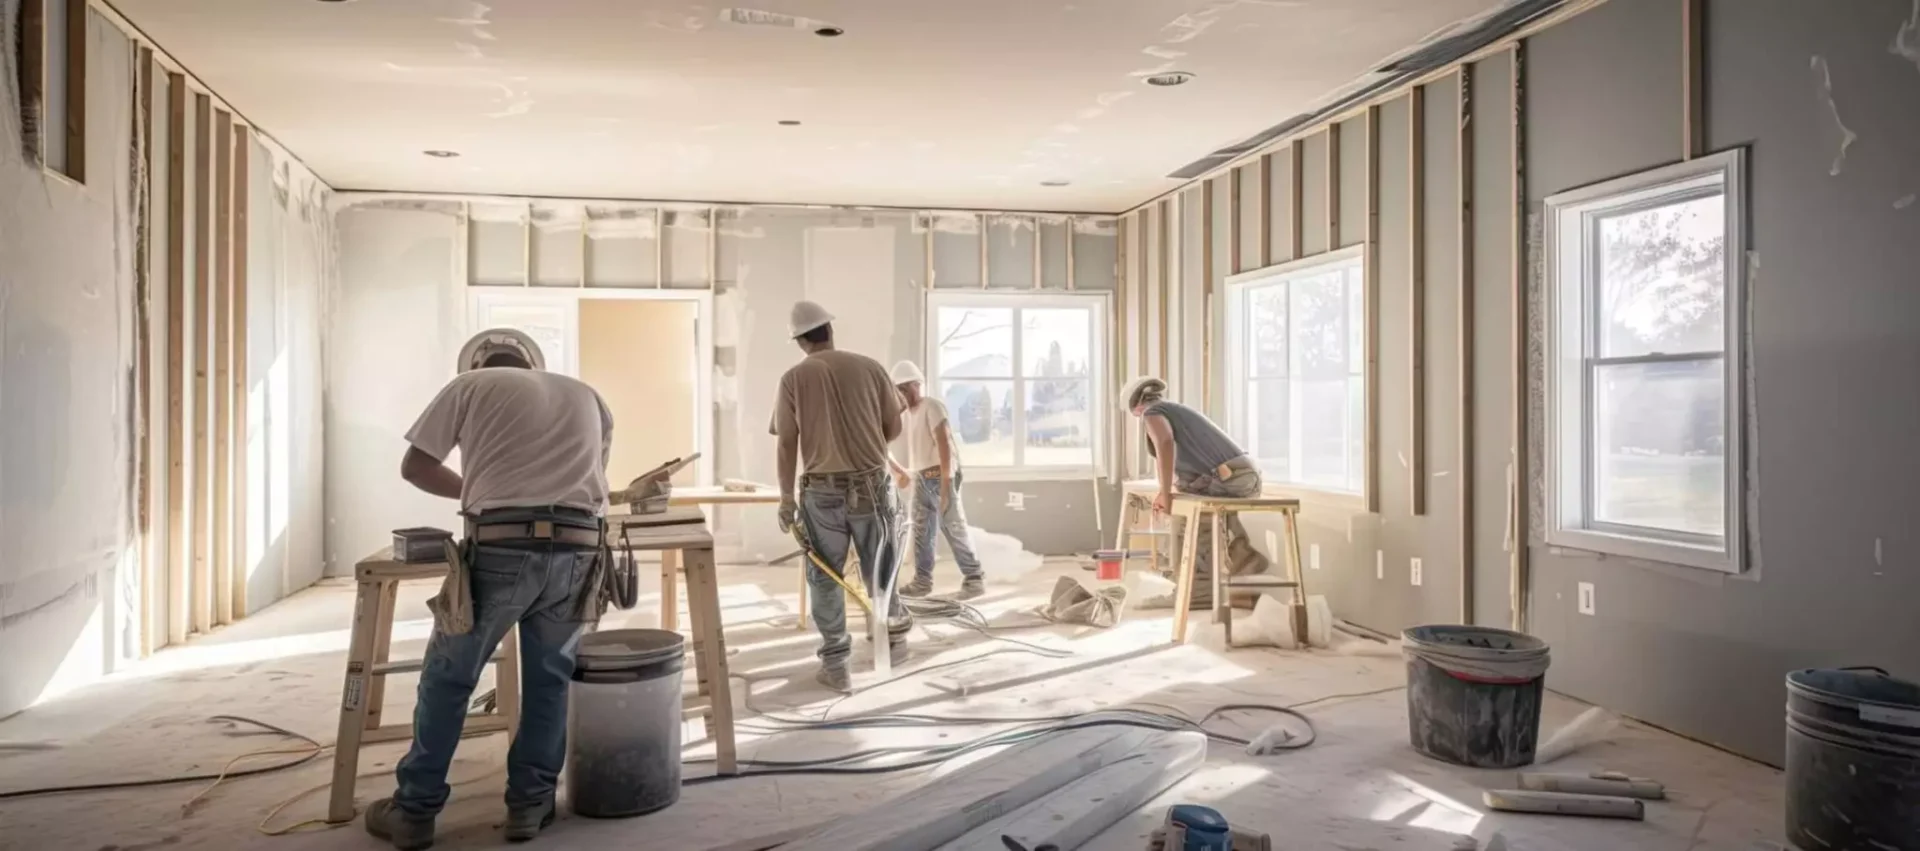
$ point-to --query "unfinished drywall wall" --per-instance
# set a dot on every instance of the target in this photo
(406, 263)
(68, 572)
(640, 355)
(1831, 344)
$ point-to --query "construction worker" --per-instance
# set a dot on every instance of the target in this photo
(834, 416)
(932, 478)
(533, 486)
(1192, 455)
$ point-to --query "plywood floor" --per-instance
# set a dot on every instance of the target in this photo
(1358, 787)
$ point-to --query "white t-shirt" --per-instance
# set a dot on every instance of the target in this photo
(527, 438)
(917, 428)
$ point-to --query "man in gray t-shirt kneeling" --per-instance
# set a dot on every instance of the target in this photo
(1192, 455)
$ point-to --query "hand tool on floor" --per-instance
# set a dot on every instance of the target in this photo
(1564, 804)
(1611, 783)
(1191, 827)
(648, 492)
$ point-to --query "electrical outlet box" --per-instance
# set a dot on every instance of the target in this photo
(1313, 556)
(1017, 501)
(1413, 574)
(1586, 598)
(1379, 564)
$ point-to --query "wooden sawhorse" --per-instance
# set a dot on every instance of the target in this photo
(1137, 501)
(379, 577)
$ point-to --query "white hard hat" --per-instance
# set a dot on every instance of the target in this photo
(494, 341)
(1138, 384)
(807, 316)
(905, 371)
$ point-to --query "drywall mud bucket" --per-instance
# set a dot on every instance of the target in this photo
(1853, 761)
(623, 723)
(1474, 694)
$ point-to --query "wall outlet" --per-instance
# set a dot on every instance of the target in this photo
(1313, 556)
(1017, 501)
(1379, 564)
(1586, 598)
(1414, 574)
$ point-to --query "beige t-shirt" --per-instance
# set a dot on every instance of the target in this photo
(838, 402)
(919, 435)
(527, 438)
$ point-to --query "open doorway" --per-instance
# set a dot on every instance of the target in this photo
(648, 352)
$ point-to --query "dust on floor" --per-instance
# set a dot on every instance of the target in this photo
(1359, 786)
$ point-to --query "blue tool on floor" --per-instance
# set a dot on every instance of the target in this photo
(1191, 827)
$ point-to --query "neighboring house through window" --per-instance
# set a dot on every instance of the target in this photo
(1021, 376)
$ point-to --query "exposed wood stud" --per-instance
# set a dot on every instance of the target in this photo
(585, 250)
(1464, 174)
(1333, 188)
(1071, 285)
(1144, 286)
(526, 253)
(75, 133)
(223, 355)
(1371, 234)
(242, 155)
(1234, 254)
(203, 580)
(144, 366)
(659, 248)
(1522, 580)
(1166, 290)
(1206, 278)
(32, 71)
(1297, 199)
(1417, 292)
(1266, 209)
(179, 536)
(713, 248)
(1038, 269)
(1122, 352)
(927, 250)
(1693, 111)
(985, 255)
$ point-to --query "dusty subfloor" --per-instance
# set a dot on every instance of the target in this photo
(1358, 787)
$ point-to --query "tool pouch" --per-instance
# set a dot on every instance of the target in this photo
(452, 608)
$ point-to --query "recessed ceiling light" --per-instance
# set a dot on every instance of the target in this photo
(1171, 78)
(829, 32)
(788, 122)
(445, 155)
(1056, 183)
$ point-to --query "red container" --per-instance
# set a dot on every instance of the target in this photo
(1107, 568)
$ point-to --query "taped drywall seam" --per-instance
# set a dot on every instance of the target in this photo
(1906, 39)
(1823, 78)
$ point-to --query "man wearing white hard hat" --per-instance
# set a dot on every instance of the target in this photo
(835, 413)
(533, 486)
(931, 476)
(1192, 455)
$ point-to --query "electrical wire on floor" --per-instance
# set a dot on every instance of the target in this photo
(224, 774)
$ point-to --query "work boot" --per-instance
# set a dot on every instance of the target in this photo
(835, 677)
(919, 587)
(525, 823)
(388, 822)
(971, 587)
(898, 652)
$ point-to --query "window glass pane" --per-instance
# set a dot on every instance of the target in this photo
(1266, 318)
(1268, 406)
(1056, 342)
(975, 342)
(1663, 286)
(1326, 453)
(1059, 423)
(1356, 322)
(1660, 443)
(546, 324)
(1318, 331)
(982, 420)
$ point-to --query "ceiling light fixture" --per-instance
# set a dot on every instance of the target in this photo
(443, 155)
(788, 122)
(1171, 78)
(829, 32)
(1056, 183)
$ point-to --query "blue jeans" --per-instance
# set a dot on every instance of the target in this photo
(539, 589)
(857, 511)
(952, 526)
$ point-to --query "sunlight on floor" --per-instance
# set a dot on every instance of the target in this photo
(1417, 805)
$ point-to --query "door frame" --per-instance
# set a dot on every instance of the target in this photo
(703, 417)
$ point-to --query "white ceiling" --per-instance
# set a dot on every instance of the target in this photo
(922, 103)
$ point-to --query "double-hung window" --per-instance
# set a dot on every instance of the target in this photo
(1644, 387)
(1296, 371)
(1022, 378)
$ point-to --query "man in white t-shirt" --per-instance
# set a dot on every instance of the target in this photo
(932, 475)
(533, 487)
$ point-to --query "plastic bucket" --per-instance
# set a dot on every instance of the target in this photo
(1107, 565)
(1474, 694)
(1853, 760)
(623, 722)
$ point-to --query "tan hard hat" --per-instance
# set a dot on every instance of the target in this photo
(495, 341)
(807, 316)
(907, 371)
(1138, 384)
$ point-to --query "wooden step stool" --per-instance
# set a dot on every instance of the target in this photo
(1191, 507)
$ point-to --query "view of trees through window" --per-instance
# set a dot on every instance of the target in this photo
(1300, 370)
(1018, 383)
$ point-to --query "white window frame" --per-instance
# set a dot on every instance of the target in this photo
(568, 299)
(1097, 395)
(1238, 368)
(1571, 355)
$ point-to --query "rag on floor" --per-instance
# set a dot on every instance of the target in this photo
(1073, 603)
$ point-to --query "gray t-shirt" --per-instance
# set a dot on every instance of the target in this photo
(527, 439)
(1199, 445)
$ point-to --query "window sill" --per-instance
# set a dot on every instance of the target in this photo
(1316, 497)
(1024, 474)
(1653, 550)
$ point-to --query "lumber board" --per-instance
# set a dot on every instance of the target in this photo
(203, 565)
(222, 389)
(179, 553)
(1074, 814)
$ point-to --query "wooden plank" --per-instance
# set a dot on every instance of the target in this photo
(32, 76)
(1297, 200)
(143, 347)
(984, 225)
(1121, 349)
(1206, 277)
(1145, 288)
(713, 248)
(659, 248)
(1266, 210)
(75, 133)
(1464, 354)
(222, 348)
(927, 252)
(242, 375)
(1166, 290)
(1071, 285)
(1693, 91)
(179, 538)
(1371, 235)
(1333, 188)
(1417, 292)
(203, 568)
(1234, 254)
(1038, 271)
(1521, 580)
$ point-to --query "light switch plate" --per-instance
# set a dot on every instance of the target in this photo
(1017, 501)
(1586, 598)
(1414, 574)
(1313, 556)
(1379, 564)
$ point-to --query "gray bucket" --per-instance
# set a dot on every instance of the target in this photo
(1853, 761)
(1474, 694)
(623, 723)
